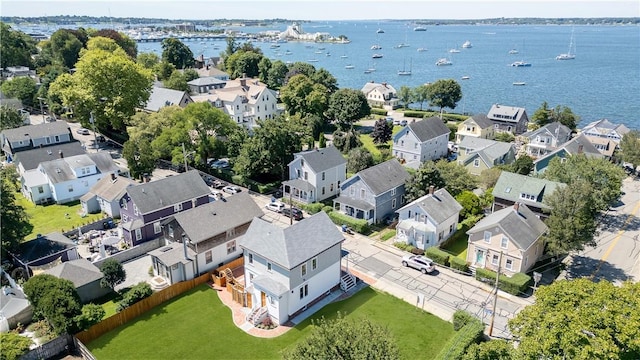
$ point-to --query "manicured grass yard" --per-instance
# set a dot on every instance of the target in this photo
(198, 326)
(50, 218)
(458, 244)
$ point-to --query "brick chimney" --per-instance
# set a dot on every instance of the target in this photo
(431, 189)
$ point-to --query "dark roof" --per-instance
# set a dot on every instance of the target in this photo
(80, 272)
(30, 159)
(429, 128)
(37, 131)
(384, 177)
(440, 206)
(109, 189)
(322, 159)
(555, 128)
(506, 113)
(44, 246)
(169, 191)
(295, 244)
(482, 120)
(208, 220)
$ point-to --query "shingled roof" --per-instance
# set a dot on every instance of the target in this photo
(321, 159)
(169, 191)
(429, 128)
(30, 159)
(37, 131)
(80, 272)
(384, 176)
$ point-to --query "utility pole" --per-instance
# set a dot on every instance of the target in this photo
(41, 109)
(184, 154)
(290, 204)
(495, 297)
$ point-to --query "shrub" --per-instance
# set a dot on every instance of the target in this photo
(513, 285)
(402, 245)
(461, 318)
(438, 256)
(358, 225)
(91, 315)
(138, 292)
(486, 276)
(314, 208)
(327, 209)
(415, 251)
(14, 345)
(377, 111)
(388, 235)
(454, 349)
(414, 114)
(459, 264)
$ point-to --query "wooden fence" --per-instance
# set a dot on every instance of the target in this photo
(140, 308)
(231, 265)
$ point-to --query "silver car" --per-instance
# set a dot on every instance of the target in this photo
(419, 262)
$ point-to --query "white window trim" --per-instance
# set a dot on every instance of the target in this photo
(303, 269)
(508, 264)
(157, 228)
(504, 243)
(486, 238)
(314, 263)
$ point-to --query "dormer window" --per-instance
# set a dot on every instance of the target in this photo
(301, 162)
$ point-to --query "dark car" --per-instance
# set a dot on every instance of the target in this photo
(295, 213)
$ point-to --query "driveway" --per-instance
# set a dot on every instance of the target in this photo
(137, 271)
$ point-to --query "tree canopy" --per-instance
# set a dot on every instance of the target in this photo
(177, 53)
(345, 141)
(359, 159)
(243, 63)
(382, 131)
(580, 319)
(630, 146)
(17, 47)
(523, 165)
(562, 114)
(419, 182)
(14, 219)
(114, 273)
(9, 118)
(444, 93)
(23, 88)
(347, 106)
(456, 177)
(302, 95)
(54, 299)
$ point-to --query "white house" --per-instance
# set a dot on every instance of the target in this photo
(604, 128)
(287, 269)
(34, 136)
(421, 141)
(381, 95)
(315, 175)
(105, 195)
(429, 220)
(161, 97)
(546, 139)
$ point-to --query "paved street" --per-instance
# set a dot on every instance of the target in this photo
(616, 257)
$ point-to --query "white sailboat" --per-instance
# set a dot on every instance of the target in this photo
(569, 55)
(404, 71)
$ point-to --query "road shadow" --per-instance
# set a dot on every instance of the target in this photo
(615, 222)
(586, 267)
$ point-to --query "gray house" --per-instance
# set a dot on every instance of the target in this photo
(373, 193)
(33, 136)
(532, 191)
(508, 119)
(285, 270)
(204, 84)
(421, 141)
(105, 195)
(30, 159)
(44, 250)
(161, 97)
(85, 277)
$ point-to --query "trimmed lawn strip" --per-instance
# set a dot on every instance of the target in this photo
(198, 326)
(458, 244)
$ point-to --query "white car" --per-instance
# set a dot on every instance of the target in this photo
(419, 262)
(83, 131)
(276, 206)
(401, 122)
(231, 189)
(220, 164)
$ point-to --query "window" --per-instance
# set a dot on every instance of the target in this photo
(170, 230)
(526, 260)
(297, 173)
(504, 242)
(415, 145)
(509, 264)
(323, 190)
(304, 291)
(451, 228)
(314, 263)
(393, 192)
(124, 204)
(301, 162)
(401, 142)
(135, 210)
(331, 188)
(487, 237)
(70, 188)
(303, 269)
(269, 267)
(57, 138)
(306, 175)
(250, 258)
(440, 236)
(323, 175)
(393, 203)
(156, 227)
(476, 163)
(177, 207)
(362, 193)
(231, 247)
(208, 257)
(40, 189)
(272, 300)
(494, 260)
(138, 234)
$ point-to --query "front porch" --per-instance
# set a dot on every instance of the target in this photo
(299, 190)
(357, 209)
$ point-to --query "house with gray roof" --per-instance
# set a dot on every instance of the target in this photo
(421, 141)
(509, 119)
(105, 195)
(515, 232)
(143, 207)
(539, 142)
(161, 97)
(477, 154)
(381, 95)
(204, 238)
(374, 193)
(429, 220)
(14, 307)
(66, 179)
(579, 145)
(202, 85)
(286, 269)
(43, 250)
(34, 136)
(315, 175)
(605, 129)
(84, 275)
(30, 159)
(532, 191)
(479, 126)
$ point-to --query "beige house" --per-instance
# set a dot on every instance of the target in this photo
(478, 126)
(515, 233)
(381, 95)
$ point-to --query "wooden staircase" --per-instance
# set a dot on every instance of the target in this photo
(347, 282)
(256, 315)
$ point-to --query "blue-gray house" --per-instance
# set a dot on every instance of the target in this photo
(373, 193)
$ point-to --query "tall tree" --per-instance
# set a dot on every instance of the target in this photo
(126, 43)
(10, 118)
(421, 94)
(276, 75)
(302, 96)
(113, 272)
(163, 70)
(55, 299)
(17, 47)
(148, 59)
(563, 114)
(347, 140)
(243, 63)
(456, 177)
(177, 81)
(14, 219)
(22, 88)
(324, 78)
(580, 319)
(263, 69)
(418, 183)
(405, 95)
(382, 131)
(177, 53)
(542, 115)
(359, 159)
(140, 157)
(64, 47)
(523, 165)
(347, 106)
(490, 350)
(444, 93)
(630, 146)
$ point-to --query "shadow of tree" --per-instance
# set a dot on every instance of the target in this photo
(582, 266)
(616, 221)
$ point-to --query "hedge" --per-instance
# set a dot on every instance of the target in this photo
(414, 114)
(457, 345)
(358, 225)
(327, 209)
(461, 318)
(377, 111)
(458, 264)
(514, 285)
(313, 208)
(438, 256)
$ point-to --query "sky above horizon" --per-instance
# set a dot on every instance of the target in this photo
(324, 10)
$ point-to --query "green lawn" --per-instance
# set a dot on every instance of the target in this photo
(198, 326)
(49, 218)
(458, 244)
(367, 142)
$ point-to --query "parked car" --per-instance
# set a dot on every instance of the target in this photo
(229, 189)
(419, 262)
(83, 131)
(276, 206)
(401, 122)
(101, 138)
(220, 164)
(295, 213)
(217, 184)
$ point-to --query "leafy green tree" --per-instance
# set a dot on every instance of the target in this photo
(163, 70)
(346, 339)
(54, 299)
(113, 272)
(322, 141)
(232, 46)
(140, 157)
(542, 115)
(9, 118)
(236, 138)
(302, 96)
(17, 47)
(347, 106)
(13, 217)
(243, 63)
(324, 78)
(504, 136)
(471, 204)
(580, 319)
(562, 114)
(456, 177)
(276, 75)
(177, 53)
(523, 165)
(64, 47)
(22, 88)
(90, 315)
(177, 81)
(190, 74)
(126, 43)
(359, 159)
(48, 74)
(418, 183)
(490, 350)
(263, 69)
(210, 125)
(14, 345)
(300, 67)
(100, 43)
(405, 95)
(630, 147)
(489, 177)
(444, 93)
(345, 141)
(109, 84)
(421, 94)
(382, 131)
(148, 60)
